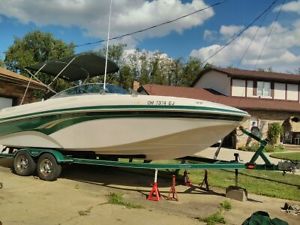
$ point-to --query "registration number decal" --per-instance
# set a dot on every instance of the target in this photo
(161, 103)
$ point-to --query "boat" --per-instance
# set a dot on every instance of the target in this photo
(107, 120)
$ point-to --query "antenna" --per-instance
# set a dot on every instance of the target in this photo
(107, 42)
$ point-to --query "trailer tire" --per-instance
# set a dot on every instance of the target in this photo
(24, 165)
(47, 167)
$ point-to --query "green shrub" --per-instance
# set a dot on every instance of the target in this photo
(213, 219)
(115, 198)
(268, 148)
(226, 205)
(274, 132)
(274, 148)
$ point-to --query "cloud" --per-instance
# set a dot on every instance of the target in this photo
(210, 35)
(229, 31)
(92, 15)
(279, 52)
(293, 6)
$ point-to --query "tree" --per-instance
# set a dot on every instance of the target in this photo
(190, 71)
(125, 75)
(156, 74)
(115, 52)
(148, 67)
(145, 70)
(177, 72)
(36, 47)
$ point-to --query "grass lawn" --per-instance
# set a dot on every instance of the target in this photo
(268, 183)
(287, 155)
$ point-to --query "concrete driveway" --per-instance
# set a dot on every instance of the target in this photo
(227, 154)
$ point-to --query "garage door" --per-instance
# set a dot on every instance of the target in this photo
(5, 102)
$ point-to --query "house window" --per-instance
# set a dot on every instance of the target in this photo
(263, 89)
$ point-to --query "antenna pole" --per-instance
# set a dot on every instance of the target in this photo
(107, 42)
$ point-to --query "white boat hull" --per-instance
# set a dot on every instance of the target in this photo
(153, 136)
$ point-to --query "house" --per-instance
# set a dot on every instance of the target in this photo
(13, 86)
(250, 84)
(267, 96)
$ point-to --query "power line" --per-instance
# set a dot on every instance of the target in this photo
(151, 27)
(269, 34)
(252, 39)
(242, 31)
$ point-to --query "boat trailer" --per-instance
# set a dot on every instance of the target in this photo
(47, 162)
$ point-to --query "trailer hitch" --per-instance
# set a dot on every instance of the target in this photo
(284, 166)
(288, 166)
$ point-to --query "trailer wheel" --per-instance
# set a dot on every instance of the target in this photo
(24, 165)
(48, 169)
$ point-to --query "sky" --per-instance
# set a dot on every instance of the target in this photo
(273, 41)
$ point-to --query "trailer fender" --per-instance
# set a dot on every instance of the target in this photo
(37, 152)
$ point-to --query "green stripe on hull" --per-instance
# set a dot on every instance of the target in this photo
(122, 107)
(52, 123)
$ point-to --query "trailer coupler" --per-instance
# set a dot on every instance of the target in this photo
(288, 166)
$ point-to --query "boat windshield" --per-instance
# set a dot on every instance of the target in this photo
(94, 88)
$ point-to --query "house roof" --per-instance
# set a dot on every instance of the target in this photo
(15, 78)
(238, 102)
(254, 75)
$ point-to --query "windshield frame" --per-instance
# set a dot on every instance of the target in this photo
(91, 89)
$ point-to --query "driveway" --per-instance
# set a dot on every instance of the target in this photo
(227, 154)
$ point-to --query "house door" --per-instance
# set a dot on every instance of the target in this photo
(5, 102)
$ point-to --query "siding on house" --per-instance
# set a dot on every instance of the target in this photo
(280, 91)
(251, 88)
(216, 81)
